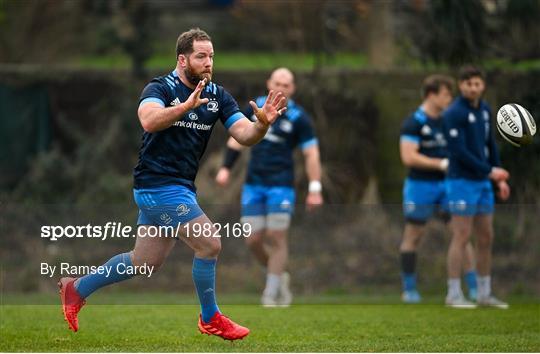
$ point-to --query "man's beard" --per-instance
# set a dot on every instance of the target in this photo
(194, 78)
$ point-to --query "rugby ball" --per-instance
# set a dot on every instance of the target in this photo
(515, 124)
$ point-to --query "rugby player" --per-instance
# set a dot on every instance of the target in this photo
(423, 150)
(268, 195)
(177, 112)
(474, 166)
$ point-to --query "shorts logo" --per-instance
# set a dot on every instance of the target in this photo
(165, 218)
(212, 106)
(453, 133)
(410, 207)
(182, 210)
(472, 118)
(193, 116)
(460, 205)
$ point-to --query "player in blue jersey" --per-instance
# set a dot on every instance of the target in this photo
(177, 112)
(268, 194)
(423, 150)
(474, 166)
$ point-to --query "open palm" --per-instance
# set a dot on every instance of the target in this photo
(273, 107)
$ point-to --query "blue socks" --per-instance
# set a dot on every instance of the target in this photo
(409, 281)
(93, 281)
(204, 277)
(470, 279)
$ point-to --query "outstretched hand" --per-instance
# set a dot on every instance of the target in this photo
(194, 100)
(273, 107)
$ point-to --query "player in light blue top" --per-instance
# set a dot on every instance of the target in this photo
(474, 166)
(268, 194)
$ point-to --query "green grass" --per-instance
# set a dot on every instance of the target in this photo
(233, 61)
(308, 328)
(247, 61)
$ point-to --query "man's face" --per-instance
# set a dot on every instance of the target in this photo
(473, 88)
(281, 81)
(199, 64)
(442, 98)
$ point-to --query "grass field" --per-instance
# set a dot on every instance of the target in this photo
(306, 327)
(295, 61)
(235, 61)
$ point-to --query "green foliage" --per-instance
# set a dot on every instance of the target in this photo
(96, 171)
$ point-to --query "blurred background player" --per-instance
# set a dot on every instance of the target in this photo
(268, 194)
(164, 177)
(423, 150)
(474, 165)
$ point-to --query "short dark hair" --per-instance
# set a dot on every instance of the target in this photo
(433, 83)
(184, 43)
(469, 71)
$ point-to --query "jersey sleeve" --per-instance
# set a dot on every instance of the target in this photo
(229, 112)
(410, 131)
(454, 130)
(305, 135)
(248, 112)
(156, 92)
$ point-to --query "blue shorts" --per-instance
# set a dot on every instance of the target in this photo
(263, 200)
(469, 197)
(421, 198)
(166, 205)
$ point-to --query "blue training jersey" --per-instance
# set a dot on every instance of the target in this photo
(271, 162)
(471, 144)
(171, 156)
(428, 133)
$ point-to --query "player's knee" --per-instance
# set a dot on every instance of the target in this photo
(485, 239)
(212, 248)
(277, 238)
(416, 242)
(254, 240)
(461, 233)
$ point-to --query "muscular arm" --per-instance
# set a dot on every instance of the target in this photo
(411, 157)
(154, 117)
(235, 145)
(313, 162)
(247, 133)
(314, 197)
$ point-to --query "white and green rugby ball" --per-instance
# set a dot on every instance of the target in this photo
(516, 124)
